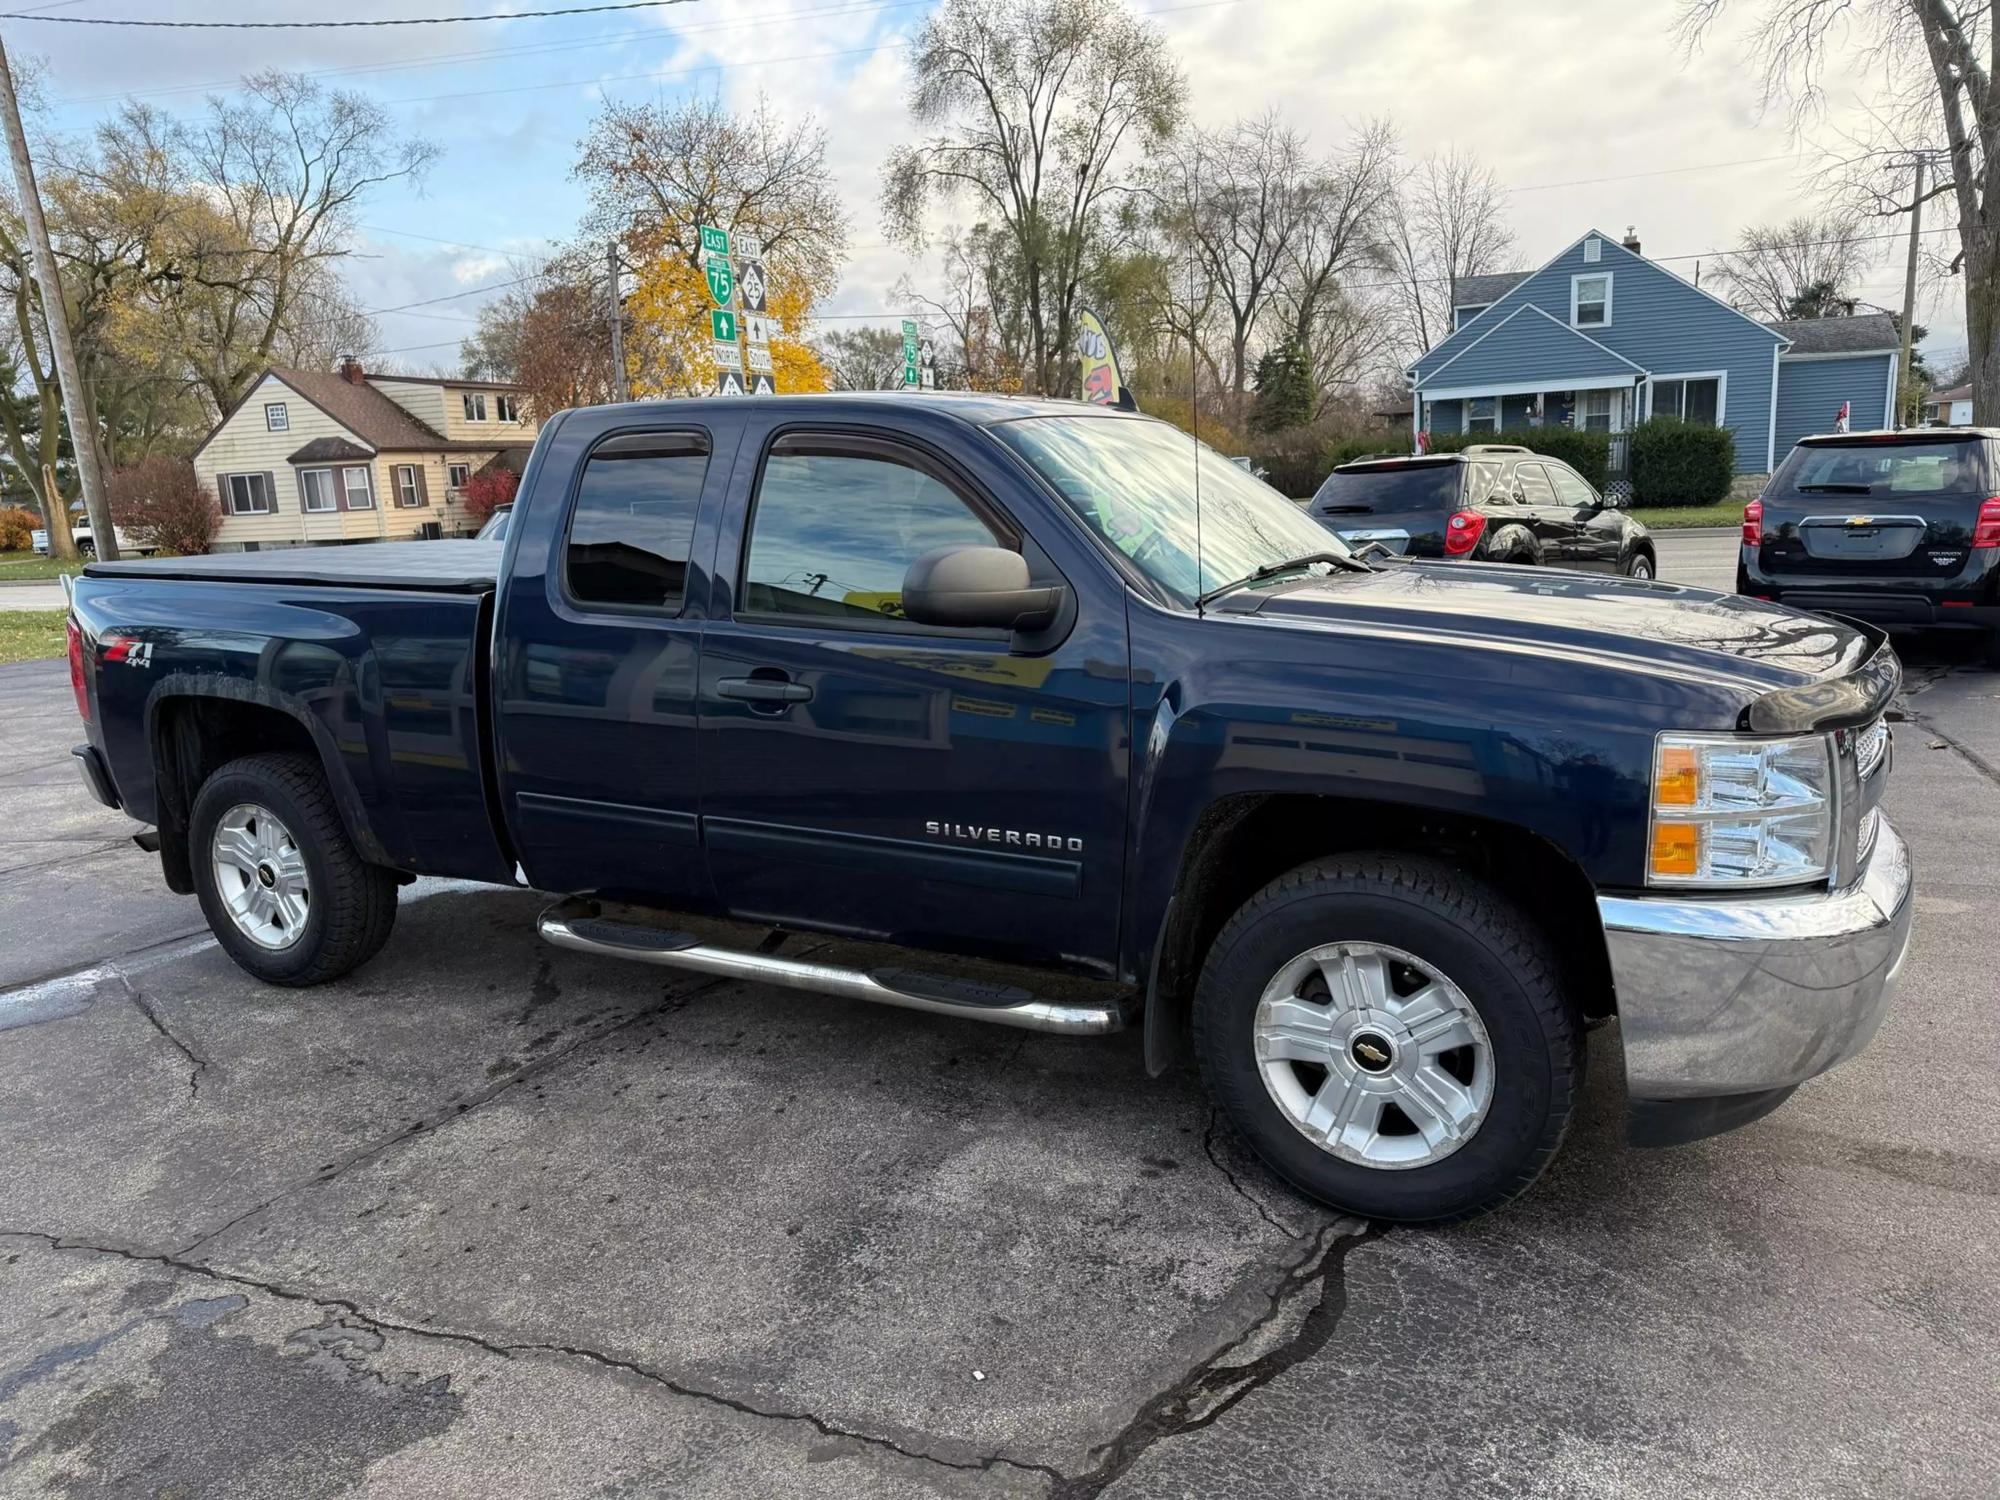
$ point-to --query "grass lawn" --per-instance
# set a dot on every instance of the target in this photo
(31, 634)
(1668, 517)
(33, 565)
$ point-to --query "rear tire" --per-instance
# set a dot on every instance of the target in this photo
(1512, 1043)
(283, 888)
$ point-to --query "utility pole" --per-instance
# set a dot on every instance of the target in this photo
(1909, 294)
(82, 422)
(612, 268)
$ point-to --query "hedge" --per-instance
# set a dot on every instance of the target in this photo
(1295, 459)
(1589, 453)
(1681, 463)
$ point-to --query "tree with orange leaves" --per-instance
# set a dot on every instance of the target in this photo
(657, 173)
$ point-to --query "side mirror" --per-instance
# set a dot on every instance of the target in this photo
(1610, 502)
(977, 586)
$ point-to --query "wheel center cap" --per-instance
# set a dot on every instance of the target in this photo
(1372, 1052)
(266, 876)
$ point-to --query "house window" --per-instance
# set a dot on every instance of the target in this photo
(316, 485)
(475, 405)
(1482, 414)
(247, 494)
(409, 494)
(457, 475)
(506, 408)
(359, 496)
(1697, 399)
(1593, 409)
(1590, 300)
(1460, 316)
(275, 417)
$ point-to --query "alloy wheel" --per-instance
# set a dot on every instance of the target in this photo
(261, 876)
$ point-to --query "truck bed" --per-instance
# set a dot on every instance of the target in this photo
(466, 567)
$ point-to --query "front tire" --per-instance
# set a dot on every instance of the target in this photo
(283, 888)
(1639, 565)
(1389, 1036)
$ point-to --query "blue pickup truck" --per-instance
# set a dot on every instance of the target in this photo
(1045, 715)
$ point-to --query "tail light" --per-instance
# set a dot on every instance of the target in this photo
(76, 683)
(1753, 523)
(1986, 530)
(1462, 532)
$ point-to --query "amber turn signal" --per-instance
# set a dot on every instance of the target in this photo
(1677, 779)
(1676, 848)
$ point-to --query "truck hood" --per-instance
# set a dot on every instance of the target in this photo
(1661, 628)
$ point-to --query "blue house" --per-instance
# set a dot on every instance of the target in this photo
(1603, 338)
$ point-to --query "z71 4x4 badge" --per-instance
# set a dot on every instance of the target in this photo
(122, 648)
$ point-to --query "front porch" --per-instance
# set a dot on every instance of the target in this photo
(1610, 407)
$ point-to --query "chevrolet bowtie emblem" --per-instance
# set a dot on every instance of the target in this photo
(1371, 1052)
(1860, 520)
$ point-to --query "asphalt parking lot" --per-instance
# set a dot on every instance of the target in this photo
(488, 1219)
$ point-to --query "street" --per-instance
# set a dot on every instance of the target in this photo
(491, 1219)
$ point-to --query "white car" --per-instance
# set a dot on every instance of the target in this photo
(86, 543)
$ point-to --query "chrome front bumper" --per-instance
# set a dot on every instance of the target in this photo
(1751, 996)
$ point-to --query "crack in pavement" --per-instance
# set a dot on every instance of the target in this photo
(1977, 761)
(1213, 1388)
(1236, 1183)
(436, 1119)
(143, 1003)
(341, 1306)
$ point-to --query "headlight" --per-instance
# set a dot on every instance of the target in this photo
(1731, 811)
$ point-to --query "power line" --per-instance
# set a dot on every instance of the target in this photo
(1713, 166)
(511, 15)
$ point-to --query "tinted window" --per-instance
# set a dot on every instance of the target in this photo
(634, 522)
(833, 534)
(1402, 487)
(1534, 485)
(1869, 469)
(1570, 490)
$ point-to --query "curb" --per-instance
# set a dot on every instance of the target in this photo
(28, 583)
(1667, 531)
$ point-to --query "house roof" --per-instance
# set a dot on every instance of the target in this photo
(1866, 333)
(1528, 326)
(362, 410)
(1483, 291)
(470, 385)
(324, 450)
(1956, 393)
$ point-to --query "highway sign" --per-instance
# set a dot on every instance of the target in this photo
(911, 350)
(761, 385)
(748, 246)
(728, 382)
(754, 286)
(757, 329)
(727, 356)
(760, 358)
(721, 280)
(714, 241)
(722, 325)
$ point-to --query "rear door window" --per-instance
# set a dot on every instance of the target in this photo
(1900, 470)
(1534, 484)
(1388, 490)
(633, 524)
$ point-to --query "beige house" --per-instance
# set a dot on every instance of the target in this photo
(309, 458)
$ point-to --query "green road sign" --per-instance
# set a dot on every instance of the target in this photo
(714, 241)
(909, 372)
(721, 280)
(909, 329)
(722, 325)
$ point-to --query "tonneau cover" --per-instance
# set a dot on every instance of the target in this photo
(465, 567)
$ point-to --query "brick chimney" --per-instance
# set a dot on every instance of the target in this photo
(1631, 240)
(351, 371)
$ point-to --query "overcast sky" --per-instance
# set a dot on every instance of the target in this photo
(1584, 109)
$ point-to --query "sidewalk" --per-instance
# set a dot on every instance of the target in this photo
(42, 593)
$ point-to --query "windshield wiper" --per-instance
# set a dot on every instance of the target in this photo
(1288, 565)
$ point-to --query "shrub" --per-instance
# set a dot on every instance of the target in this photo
(1366, 445)
(1295, 459)
(487, 491)
(161, 506)
(17, 528)
(1681, 463)
(1589, 453)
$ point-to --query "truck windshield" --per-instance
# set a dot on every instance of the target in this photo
(1133, 483)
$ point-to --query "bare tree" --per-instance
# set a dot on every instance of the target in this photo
(1033, 108)
(983, 308)
(1343, 229)
(1805, 267)
(863, 359)
(658, 172)
(1936, 61)
(1446, 222)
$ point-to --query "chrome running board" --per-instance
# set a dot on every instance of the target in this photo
(576, 924)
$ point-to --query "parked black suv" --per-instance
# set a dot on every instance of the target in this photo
(1898, 528)
(1493, 502)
